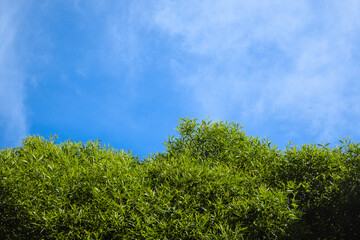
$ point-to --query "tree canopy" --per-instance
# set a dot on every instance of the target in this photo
(212, 182)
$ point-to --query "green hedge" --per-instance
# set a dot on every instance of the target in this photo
(212, 182)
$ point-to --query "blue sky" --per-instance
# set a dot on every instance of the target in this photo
(125, 71)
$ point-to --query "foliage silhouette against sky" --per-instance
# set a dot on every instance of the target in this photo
(125, 71)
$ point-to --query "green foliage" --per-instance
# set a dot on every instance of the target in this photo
(326, 187)
(212, 182)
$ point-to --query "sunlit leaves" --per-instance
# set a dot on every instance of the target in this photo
(212, 182)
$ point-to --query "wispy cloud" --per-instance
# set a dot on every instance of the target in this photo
(285, 61)
(13, 126)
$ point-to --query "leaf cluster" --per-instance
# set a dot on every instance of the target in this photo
(212, 182)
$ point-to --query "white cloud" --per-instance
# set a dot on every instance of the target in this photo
(12, 111)
(284, 60)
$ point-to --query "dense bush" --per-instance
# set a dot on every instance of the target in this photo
(212, 182)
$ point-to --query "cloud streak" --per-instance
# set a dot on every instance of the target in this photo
(283, 61)
(12, 111)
